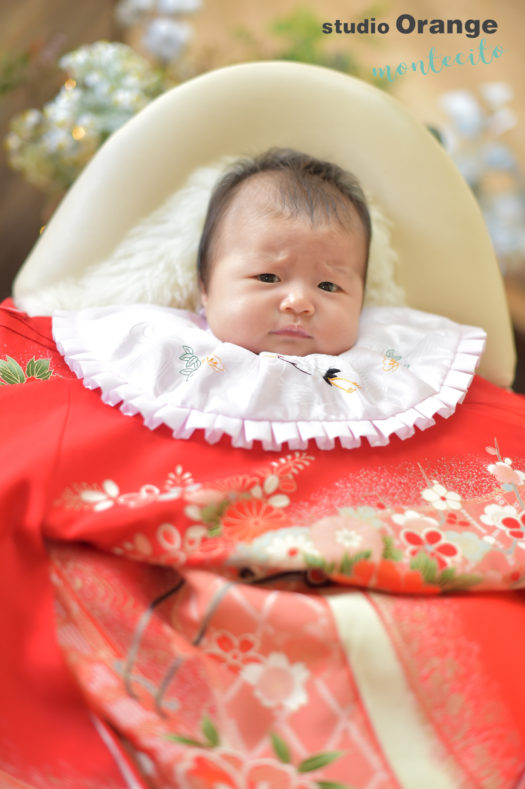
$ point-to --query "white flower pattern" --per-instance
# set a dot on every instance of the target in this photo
(410, 519)
(493, 514)
(102, 499)
(107, 494)
(289, 549)
(505, 474)
(348, 538)
(441, 498)
(277, 682)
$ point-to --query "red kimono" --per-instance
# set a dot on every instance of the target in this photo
(180, 614)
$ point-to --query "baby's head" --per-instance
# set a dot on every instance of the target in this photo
(283, 255)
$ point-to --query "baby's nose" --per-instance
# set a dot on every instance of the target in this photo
(297, 300)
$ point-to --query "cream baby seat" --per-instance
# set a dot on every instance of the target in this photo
(446, 264)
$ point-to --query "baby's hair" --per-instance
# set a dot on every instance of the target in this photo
(307, 186)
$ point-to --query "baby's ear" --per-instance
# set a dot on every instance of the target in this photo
(203, 294)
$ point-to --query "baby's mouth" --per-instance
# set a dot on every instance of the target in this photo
(293, 331)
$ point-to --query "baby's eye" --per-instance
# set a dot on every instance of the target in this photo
(267, 278)
(330, 286)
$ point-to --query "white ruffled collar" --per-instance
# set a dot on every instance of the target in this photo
(406, 367)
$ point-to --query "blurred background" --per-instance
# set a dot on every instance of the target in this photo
(72, 73)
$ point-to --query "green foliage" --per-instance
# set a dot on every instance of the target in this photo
(210, 732)
(314, 561)
(426, 566)
(281, 748)
(389, 552)
(447, 579)
(318, 761)
(303, 41)
(12, 373)
(184, 740)
(300, 38)
(211, 736)
(347, 562)
(38, 368)
(456, 583)
(13, 70)
(332, 785)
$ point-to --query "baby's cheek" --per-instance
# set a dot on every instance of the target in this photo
(346, 330)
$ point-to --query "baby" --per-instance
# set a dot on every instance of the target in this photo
(283, 255)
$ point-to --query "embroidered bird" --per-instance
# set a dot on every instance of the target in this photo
(333, 379)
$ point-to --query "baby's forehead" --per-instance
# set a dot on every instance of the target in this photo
(262, 189)
(272, 194)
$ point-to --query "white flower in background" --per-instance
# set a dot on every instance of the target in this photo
(107, 83)
(499, 157)
(441, 498)
(471, 140)
(130, 12)
(277, 682)
(56, 139)
(166, 38)
(496, 93)
(33, 118)
(464, 109)
(502, 120)
(126, 99)
(178, 6)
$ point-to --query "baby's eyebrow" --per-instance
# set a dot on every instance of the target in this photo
(337, 268)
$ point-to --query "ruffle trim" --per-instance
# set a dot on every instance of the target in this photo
(274, 434)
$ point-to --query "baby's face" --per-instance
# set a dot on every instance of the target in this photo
(280, 284)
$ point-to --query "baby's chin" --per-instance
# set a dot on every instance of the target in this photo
(285, 345)
(291, 346)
